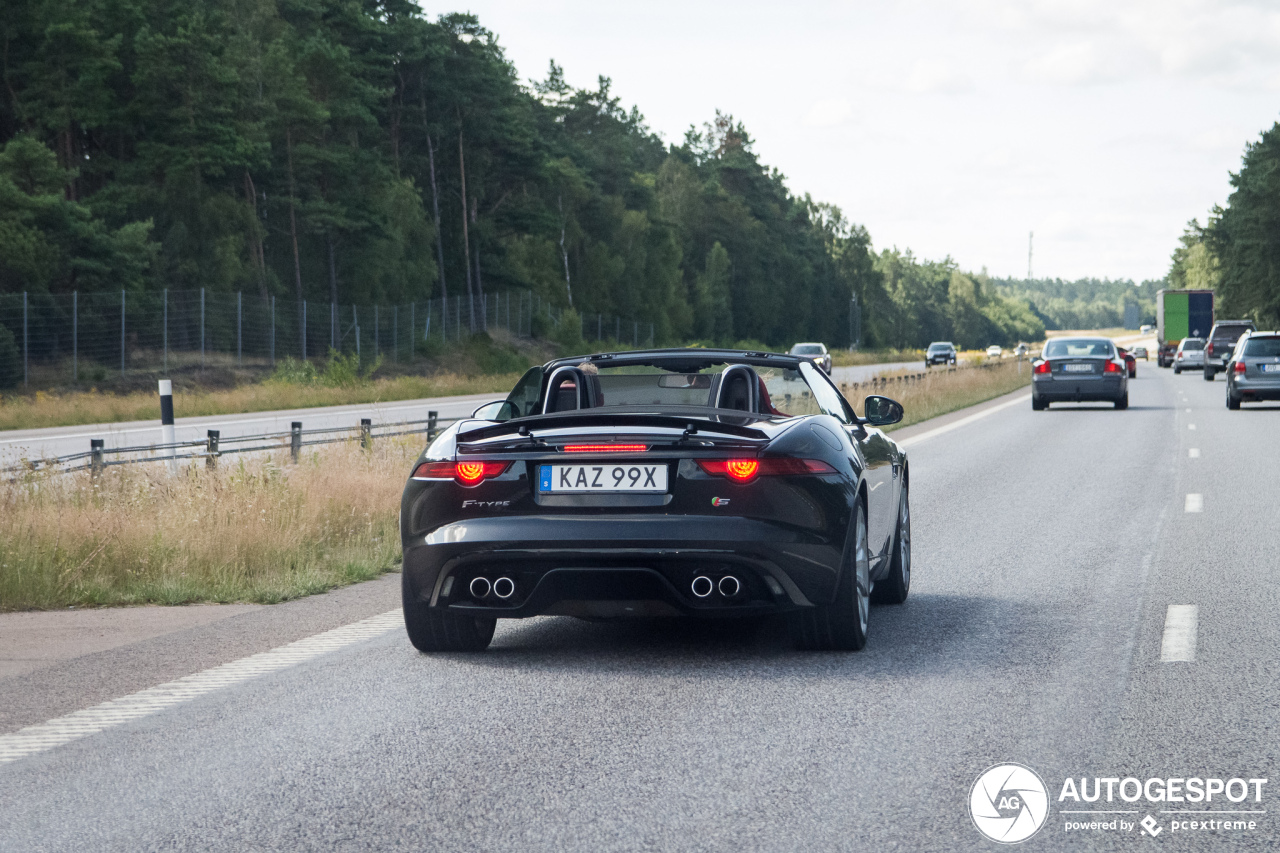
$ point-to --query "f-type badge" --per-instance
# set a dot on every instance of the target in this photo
(719, 501)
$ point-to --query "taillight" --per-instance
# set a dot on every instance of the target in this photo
(745, 470)
(466, 473)
(1042, 367)
(1239, 368)
(1112, 367)
(1208, 348)
(606, 448)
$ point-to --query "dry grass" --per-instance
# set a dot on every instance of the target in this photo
(846, 358)
(92, 407)
(257, 531)
(939, 391)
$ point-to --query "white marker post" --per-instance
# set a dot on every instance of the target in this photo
(166, 423)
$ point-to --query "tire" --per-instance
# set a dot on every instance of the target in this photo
(1123, 402)
(1038, 405)
(894, 588)
(1233, 402)
(842, 624)
(434, 630)
(1209, 374)
(1177, 369)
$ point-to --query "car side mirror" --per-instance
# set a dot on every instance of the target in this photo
(881, 411)
(496, 410)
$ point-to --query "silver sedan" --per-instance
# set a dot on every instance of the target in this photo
(1190, 355)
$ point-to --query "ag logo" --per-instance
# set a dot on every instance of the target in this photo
(719, 501)
(1009, 803)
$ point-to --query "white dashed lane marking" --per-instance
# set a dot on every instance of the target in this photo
(1195, 503)
(61, 730)
(1179, 640)
(1191, 426)
(1193, 453)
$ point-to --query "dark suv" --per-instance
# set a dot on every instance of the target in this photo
(1253, 371)
(1222, 340)
(940, 352)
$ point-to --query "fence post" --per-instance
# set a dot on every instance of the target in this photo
(211, 449)
(75, 336)
(166, 423)
(202, 328)
(366, 433)
(295, 441)
(239, 328)
(122, 332)
(25, 375)
(96, 463)
(166, 330)
(431, 426)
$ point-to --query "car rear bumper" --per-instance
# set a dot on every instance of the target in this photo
(1256, 388)
(1053, 389)
(621, 565)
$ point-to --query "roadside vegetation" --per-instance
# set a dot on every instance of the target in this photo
(943, 390)
(256, 530)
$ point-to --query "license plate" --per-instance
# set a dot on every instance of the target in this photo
(585, 479)
(1077, 368)
(1270, 368)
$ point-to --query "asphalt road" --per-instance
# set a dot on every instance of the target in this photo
(1049, 547)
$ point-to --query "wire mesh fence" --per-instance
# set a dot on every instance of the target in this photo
(86, 336)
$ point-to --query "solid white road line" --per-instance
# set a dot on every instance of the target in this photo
(1191, 426)
(1179, 641)
(61, 730)
(1195, 503)
(1193, 453)
(925, 436)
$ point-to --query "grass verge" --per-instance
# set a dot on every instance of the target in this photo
(846, 358)
(255, 531)
(938, 392)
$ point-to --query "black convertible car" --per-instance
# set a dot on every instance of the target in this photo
(706, 483)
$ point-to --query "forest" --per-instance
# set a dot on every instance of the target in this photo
(356, 151)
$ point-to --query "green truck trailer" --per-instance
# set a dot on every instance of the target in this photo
(1181, 314)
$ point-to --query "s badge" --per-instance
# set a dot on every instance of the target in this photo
(719, 501)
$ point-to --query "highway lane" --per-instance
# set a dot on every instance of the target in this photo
(1049, 547)
(16, 445)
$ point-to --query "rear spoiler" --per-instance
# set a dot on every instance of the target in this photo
(710, 420)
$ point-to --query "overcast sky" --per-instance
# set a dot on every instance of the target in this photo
(950, 127)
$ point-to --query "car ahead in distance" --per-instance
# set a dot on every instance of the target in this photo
(1078, 370)
(1253, 370)
(1020, 350)
(1221, 345)
(1130, 363)
(1140, 352)
(1189, 354)
(817, 352)
(940, 352)
(703, 483)
(994, 351)
(1146, 329)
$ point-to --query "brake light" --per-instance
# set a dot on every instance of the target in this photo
(466, 473)
(606, 448)
(1208, 348)
(1042, 367)
(1112, 367)
(745, 470)
(1239, 368)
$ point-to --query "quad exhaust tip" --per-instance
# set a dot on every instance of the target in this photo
(729, 586)
(702, 586)
(480, 587)
(504, 588)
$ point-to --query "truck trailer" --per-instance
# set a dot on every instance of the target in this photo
(1181, 314)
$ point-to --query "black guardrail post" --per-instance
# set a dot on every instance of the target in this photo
(431, 425)
(211, 449)
(295, 441)
(366, 433)
(96, 463)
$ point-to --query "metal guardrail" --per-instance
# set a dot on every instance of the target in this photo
(214, 445)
